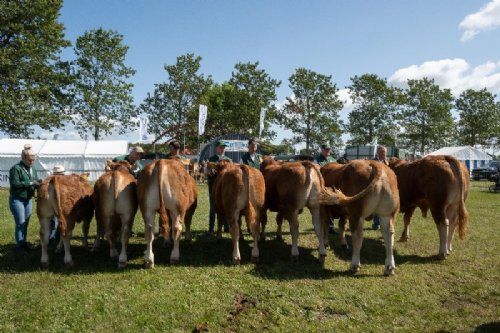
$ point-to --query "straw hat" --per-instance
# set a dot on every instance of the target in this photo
(58, 169)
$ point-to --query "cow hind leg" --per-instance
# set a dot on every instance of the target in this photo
(406, 230)
(442, 224)
(177, 220)
(319, 233)
(125, 233)
(343, 241)
(68, 260)
(149, 223)
(279, 224)
(294, 230)
(357, 241)
(387, 229)
(254, 226)
(234, 228)
(452, 213)
(263, 222)
(109, 223)
(85, 231)
(44, 240)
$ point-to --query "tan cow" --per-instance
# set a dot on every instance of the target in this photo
(115, 200)
(165, 186)
(291, 186)
(69, 197)
(239, 190)
(438, 183)
(366, 188)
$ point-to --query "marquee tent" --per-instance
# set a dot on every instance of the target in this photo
(76, 156)
(472, 157)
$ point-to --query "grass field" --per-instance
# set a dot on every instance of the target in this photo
(204, 291)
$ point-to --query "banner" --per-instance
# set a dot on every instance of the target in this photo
(261, 120)
(202, 118)
(375, 144)
(143, 129)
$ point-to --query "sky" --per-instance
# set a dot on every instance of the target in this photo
(457, 42)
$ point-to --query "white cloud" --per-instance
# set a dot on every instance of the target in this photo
(345, 97)
(487, 18)
(455, 74)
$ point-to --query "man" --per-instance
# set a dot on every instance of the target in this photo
(174, 149)
(325, 156)
(251, 157)
(134, 157)
(381, 156)
(220, 149)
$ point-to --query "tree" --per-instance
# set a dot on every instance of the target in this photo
(312, 111)
(33, 79)
(173, 104)
(479, 117)
(257, 90)
(103, 97)
(375, 110)
(426, 116)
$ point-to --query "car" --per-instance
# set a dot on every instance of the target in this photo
(487, 172)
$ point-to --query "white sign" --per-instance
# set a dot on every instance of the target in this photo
(143, 129)
(202, 118)
(236, 145)
(4, 178)
(261, 120)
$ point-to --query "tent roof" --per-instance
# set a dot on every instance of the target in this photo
(64, 148)
(463, 153)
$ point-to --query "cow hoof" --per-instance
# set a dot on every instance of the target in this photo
(388, 271)
(236, 261)
(322, 258)
(122, 264)
(354, 269)
(441, 256)
(174, 261)
(44, 264)
(255, 260)
(404, 238)
(69, 264)
(149, 264)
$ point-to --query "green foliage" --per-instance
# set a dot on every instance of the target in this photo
(312, 112)
(173, 105)
(33, 79)
(479, 122)
(103, 97)
(426, 116)
(284, 148)
(375, 109)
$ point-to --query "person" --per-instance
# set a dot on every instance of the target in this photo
(174, 149)
(251, 157)
(325, 156)
(380, 156)
(220, 149)
(134, 157)
(54, 235)
(23, 183)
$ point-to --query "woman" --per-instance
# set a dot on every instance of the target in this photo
(23, 183)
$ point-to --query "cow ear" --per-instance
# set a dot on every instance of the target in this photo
(212, 165)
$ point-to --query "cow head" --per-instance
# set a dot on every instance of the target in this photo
(266, 161)
(85, 175)
(216, 167)
(395, 162)
(120, 165)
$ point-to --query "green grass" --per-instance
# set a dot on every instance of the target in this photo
(461, 294)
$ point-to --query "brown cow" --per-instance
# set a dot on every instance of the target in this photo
(115, 200)
(438, 183)
(367, 188)
(69, 197)
(239, 190)
(164, 186)
(291, 186)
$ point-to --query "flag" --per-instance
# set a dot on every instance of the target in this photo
(202, 118)
(375, 144)
(143, 129)
(261, 120)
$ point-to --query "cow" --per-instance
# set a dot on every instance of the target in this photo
(291, 186)
(115, 201)
(165, 186)
(239, 190)
(439, 184)
(366, 188)
(69, 197)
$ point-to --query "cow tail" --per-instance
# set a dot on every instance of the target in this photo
(63, 226)
(163, 210)
(246, 182)
(336, 197)
(463, 215)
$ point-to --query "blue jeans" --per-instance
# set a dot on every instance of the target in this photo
(21, 210)
(376, 222)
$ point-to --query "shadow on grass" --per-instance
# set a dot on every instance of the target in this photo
(494, 326)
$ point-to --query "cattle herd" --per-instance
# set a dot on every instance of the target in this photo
(353, 192)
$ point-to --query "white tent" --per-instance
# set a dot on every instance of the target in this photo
(76, 156)
(472, 157)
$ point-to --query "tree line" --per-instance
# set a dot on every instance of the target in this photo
(94, 93)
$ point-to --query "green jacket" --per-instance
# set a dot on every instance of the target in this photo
(253, 163)
(215, 159)
(20, 181)
(134, 173)
(321, 160)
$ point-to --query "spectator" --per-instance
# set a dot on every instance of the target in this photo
(251, 157)
(134, 157)
(325, 156)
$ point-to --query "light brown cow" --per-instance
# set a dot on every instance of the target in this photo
(290, 187)
(367, 188)
(115, 200)
(164, 186)
(438, 183)
(69, 197)
(239, 190)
